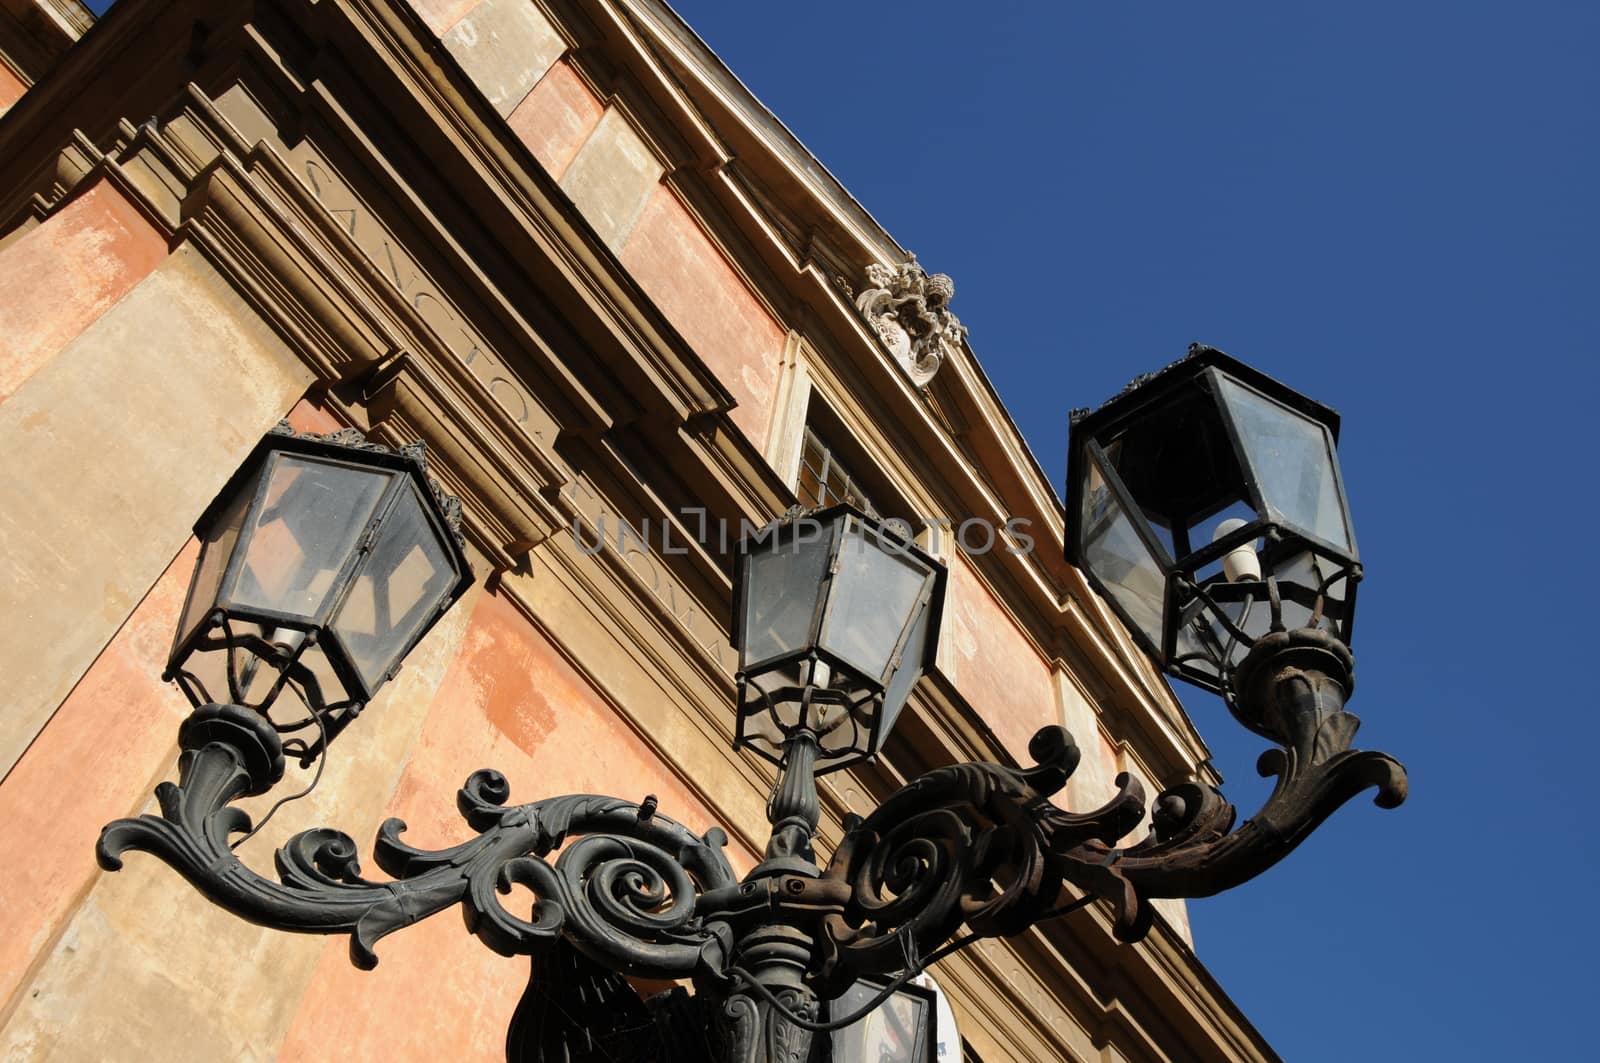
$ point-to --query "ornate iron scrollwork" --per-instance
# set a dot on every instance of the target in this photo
(624, 890)
(981, 844)
(969, 844)
(974, 846)
(1292, 687)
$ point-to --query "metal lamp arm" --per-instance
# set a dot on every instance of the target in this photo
(624, 892)
(1292, 688)
(982, 846)
(978, 847)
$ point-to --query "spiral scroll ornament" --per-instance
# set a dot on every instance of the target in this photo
(624, 888)
(961, 853)
(981, 846)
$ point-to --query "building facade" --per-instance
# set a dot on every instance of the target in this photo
(629, 314)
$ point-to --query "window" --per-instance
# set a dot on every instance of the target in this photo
(824, 480)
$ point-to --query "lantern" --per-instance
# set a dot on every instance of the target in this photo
(1205, 504)
(323, 561)
(836, 617)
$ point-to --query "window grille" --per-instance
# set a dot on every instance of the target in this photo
(824, 481)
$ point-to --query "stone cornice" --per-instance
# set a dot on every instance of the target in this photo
(35, 33)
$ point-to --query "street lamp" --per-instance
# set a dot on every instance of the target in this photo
(323, 561)
(835, 618)
(1206, 506)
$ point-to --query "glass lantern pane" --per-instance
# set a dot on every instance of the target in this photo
(215, 550)
(897, 1031)
(905, 677)
(397, 590)
(1293, 461)
(870, 601)
(304, 532)
(1113, 551)
(1315, 592)
(780, 595)
(1178, 468)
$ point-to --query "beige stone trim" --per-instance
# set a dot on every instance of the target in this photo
(786, 438)
(611, 177)
(505, 47)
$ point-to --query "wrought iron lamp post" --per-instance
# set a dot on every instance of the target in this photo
(836, 618)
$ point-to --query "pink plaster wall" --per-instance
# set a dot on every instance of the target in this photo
(993, 665)
(110, 741)
(60, 276)
(557, 117)
(11, 88)
(114, 737)
(511, 702)
(706, 300)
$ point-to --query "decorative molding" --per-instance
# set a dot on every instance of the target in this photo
(909, 309)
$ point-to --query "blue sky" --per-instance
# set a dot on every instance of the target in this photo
(1392, 208)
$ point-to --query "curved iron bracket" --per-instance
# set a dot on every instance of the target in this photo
(624, 891)
(981, 845)
(974, 846)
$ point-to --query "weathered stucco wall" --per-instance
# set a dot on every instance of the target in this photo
(557, 118)
(693, 283)
(992, 663)
(145, 967)
(59, 277)
(112, 448)
(611, 177)
(505, 46)
(113, 736)
(515, 57)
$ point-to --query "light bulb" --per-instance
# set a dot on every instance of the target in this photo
(1240, 563)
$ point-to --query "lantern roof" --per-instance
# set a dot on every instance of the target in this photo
(411, 458)
(1149, 388)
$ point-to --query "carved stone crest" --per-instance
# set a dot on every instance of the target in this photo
(909, 309)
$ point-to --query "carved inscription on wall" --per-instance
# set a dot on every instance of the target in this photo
(603, 529)
(450, 326)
